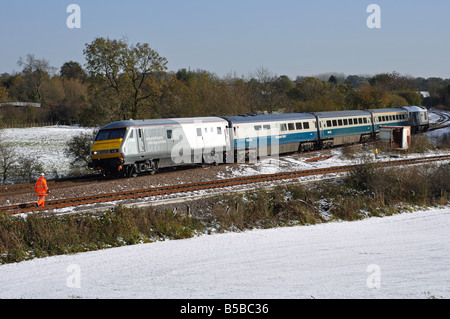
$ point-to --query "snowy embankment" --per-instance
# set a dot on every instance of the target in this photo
(402, 256)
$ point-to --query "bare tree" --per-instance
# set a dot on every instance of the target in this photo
(36, 71)
(7, 159)
(133, 72)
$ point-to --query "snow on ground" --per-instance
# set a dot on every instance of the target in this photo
(46, 144)
(402, 256)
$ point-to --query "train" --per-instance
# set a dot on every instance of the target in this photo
(130, 147)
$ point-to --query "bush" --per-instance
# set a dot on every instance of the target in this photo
(79, 147)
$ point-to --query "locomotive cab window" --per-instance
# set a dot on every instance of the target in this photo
(112, 134)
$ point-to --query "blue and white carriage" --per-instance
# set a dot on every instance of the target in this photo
(261, 135)
(344, 127)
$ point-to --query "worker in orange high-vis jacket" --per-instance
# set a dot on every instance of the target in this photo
(41, 190)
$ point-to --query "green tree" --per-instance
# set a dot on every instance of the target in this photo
(133, 72)
(72, 70)
(3, 94)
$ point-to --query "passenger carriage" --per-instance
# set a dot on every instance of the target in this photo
(262, 135)
(389, 117)
(344, 127)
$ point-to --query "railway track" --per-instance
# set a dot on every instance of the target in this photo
(183, 188)
(443, 121)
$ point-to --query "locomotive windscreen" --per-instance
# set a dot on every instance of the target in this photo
(110, 134)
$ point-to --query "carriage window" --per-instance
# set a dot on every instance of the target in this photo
(298, 125)
(328, 123)
(257, 127)
(169, 134)
(219, 130)
(350, 121)
(283, 127)
(340, 122)
(199, 132)
(291, 126)
(360, 120)
(365, 120)
(334, 123)
(345, 122)
(266, 127)
(305, 125)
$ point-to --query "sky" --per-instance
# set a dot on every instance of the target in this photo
(286, 37)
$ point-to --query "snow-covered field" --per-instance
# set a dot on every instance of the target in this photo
(46, 144)
(402, 256)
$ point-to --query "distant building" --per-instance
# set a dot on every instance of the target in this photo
(424, 94)
(18, 104)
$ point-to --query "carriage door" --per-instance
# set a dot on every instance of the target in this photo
(140, 140)
(198, 148)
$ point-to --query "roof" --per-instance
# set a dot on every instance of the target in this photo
(342, 113)
(251, 118)
(414, 108)
(390, 110)
(151, 122)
